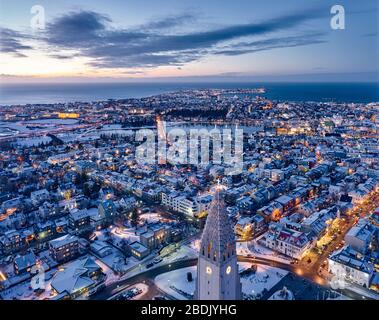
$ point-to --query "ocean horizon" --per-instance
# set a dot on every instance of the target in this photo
(50, 93)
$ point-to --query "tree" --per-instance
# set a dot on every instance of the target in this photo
(134, 218)
(87, 190)
(83, 177)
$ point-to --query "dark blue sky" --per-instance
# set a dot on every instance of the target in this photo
(242, 39)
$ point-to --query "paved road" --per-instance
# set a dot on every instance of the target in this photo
(149, 275)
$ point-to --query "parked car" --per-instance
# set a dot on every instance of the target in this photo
(158, 260)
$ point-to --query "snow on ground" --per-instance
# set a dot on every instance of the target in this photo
(93, 211)
(117, 262)
(242, 249)
(68, 137)
(260, 251)
(35, 141)
(100, 235)
(195, 245)
(50, 122)
(13, 279)
(184, 252)
(120, 234)
(175, 283)
(282, 294)
(117, 235)
(265, 277)
(24, 291)
(111, 275)
(45, 124)
(45, 257)
(150, 217)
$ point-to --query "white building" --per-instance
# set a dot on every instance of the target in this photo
(128, 204)
(186, 205)
(276, 175)
(286, 241)
(244, 227)
(360, 236)
(60, 158)
(351, 266)
(318, 221)
(77, 278)
(39, 196)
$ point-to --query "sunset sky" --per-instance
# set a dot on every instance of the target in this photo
(214, 39)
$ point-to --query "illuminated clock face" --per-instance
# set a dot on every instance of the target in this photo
(209, 270)
(228, 269)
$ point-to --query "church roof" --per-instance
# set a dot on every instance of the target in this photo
(218, 239)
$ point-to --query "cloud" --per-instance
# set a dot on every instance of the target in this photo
(168, 23)
(76, 28)
(370, 34)
(62, 56)
(90, 34)
(269, 44)
(11, 42)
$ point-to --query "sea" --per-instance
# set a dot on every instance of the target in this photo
(42, 93)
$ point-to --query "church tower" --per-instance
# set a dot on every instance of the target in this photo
(217, 269)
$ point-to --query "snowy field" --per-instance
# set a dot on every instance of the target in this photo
(119, 234)
(175, 283)
(30, 142)
(21, 126)
(265, 277)
(150, 217)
